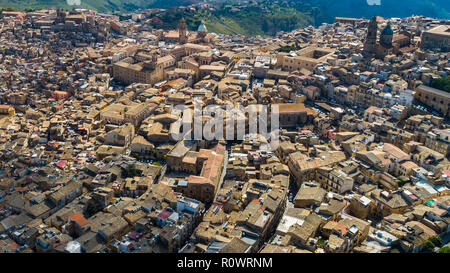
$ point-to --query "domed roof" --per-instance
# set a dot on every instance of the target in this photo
(202, 27)
(387, 30)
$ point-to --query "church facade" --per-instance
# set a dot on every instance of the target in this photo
(200, 37)
(388, 43)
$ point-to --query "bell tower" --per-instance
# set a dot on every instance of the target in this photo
(371, 39)
(182, 31)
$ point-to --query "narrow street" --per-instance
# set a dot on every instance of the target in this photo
(224, 172)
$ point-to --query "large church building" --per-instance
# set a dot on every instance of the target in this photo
(388, 43)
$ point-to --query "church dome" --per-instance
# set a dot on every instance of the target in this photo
(387, 30)
(202, 27)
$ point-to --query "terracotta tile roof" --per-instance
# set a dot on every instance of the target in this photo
(79, 219)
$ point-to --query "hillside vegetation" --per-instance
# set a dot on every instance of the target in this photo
(99, 5)
(247, 21)
(266, 18)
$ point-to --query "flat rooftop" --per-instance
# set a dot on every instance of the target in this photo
(181, 148)
(441, 30)
(291, 107)
(432, 90)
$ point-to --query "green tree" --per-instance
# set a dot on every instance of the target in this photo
(428, 246)
(130, 171)
(321, 243)
(442, 84)
(436, 240)
(401, 181)
(157, 164)
(445, 249)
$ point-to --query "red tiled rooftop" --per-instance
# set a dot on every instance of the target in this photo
(79, 219)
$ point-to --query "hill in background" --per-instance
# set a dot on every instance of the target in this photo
(264, 17)
(247, 21)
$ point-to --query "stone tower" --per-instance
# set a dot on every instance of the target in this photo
(182, 31)
(371, 39)
(60, 16)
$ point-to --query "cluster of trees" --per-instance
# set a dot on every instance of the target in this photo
(245, 20)
(431, 243)
(445, 249)
(170, 20)
(275, 23)
(289, 48)
(269, 20)
(402, 180)
(442, 84)
(130, 171)
(137, 155)
(6, 9)
(321, 243)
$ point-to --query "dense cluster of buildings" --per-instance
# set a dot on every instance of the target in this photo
(89, 161)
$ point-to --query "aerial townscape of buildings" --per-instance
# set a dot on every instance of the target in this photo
(89, 162)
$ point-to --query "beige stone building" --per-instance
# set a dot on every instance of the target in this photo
(121, 136)
(149, 71)
(306, 58)
(119, 114)
(438, 37)
(304, 168)
(439, 140)
(141, 146)
(292, 114)
(339, 180)
(434, 98)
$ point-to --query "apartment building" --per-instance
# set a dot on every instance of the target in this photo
(307, 58)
